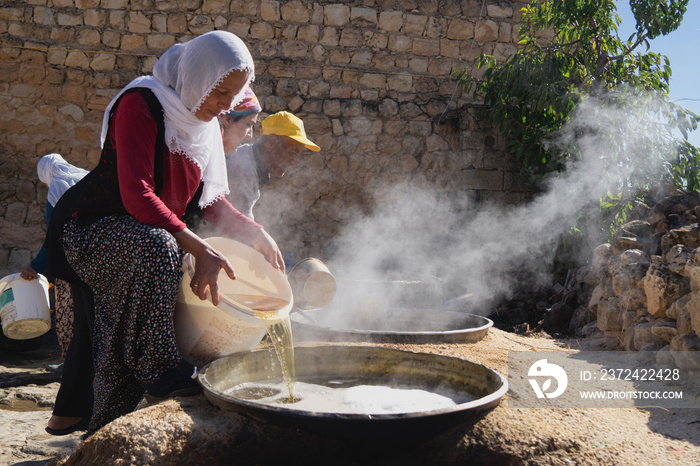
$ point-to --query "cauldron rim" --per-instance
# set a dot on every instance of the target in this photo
(337, 333)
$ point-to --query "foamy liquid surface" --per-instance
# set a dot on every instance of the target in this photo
(360, 399)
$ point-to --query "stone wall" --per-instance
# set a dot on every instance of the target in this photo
(371, 79)
(641, 291)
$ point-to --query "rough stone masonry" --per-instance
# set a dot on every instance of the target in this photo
(370, 78)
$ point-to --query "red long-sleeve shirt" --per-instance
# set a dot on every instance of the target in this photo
(133, 135)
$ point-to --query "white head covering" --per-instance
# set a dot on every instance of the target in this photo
(58, 174)
(182, 79)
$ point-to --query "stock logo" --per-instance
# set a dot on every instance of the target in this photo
(541, 369)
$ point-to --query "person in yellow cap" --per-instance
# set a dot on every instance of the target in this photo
(250, 168)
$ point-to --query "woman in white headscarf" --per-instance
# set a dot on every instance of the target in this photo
(58, 175)
(124, 239)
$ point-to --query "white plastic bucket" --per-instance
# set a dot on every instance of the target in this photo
(24, 307)
(205, 332)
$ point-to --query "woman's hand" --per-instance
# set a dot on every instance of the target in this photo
(207, 264)
(265, 245)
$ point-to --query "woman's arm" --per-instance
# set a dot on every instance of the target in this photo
(225, 218)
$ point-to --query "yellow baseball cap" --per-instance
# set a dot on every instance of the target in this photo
(286, 124)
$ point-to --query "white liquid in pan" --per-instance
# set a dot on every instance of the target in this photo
(360, 399)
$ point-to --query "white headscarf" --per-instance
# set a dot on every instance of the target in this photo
(182, 79)
(58, 174)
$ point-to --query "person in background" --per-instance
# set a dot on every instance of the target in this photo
(58, 175)
(237, 124)
(123, 235)
(250, 168)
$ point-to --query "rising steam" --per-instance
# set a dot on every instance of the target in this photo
(488, 251)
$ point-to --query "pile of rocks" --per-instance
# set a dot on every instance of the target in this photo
(642, 289)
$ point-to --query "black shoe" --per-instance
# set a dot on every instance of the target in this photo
(80, 425)
(175, 382)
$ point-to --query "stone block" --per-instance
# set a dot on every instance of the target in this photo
(69, 19)
(426, 47)
(340, 92)
(644, 336)
(373, 80)
(505, 32)
(418, 66)
(89, 37)
(363, 17)
(499, 11)
(56, 57)
(339, 56)
(270, 10)
(21, 30)
(95, 18)
(240, 27)
(43, 16)
(295, 12)
(610, 316)
(351, 38)
(262, 31)
(200, 24)
(664, 330)
(362, 57)
(337, 128)
(308, 33)
(11, 14)
(103, 62)
(117, 20)
(415, 24)
(390, 21)
(439, 67)
(336, 15)
(111, 39)
(459, 29)
(436, 28)
(213, 7)
(684, 349)
(329, 37)
(294, 49)
(220, 22)
(503, 51)
(487, 32)
(177, 23)
(115, 4)
(400, 43)
(15, 213)
(377, 41)
(85, 4)
(77, 60)
(662, 287)
(295, 104)
(480, 179)
(132, 42)
(449, 48)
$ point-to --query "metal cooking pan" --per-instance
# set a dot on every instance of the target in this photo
(404, 325)
(360, 365)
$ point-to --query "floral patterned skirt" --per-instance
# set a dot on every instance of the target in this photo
(134, 271)
(63, 315)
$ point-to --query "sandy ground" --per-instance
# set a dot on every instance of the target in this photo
(27, 392)
(628, 436)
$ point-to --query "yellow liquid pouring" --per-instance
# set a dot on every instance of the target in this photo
(279, 329)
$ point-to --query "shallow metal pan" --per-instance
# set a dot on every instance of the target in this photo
(405, 325)
(381, 366)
